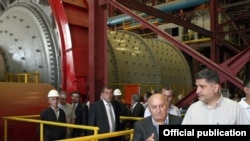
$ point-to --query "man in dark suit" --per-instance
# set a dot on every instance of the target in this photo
(55, 114)
(137, 109)
(148, 128)
(81, 112)
(105, 114)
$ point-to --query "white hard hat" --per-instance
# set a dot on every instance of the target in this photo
(53, 93)
(117, 92)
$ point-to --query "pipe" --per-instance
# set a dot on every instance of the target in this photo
(166, 7)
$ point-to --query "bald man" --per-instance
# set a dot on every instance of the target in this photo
(147, 128)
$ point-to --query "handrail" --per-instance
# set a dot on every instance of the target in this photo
(102, 136)
(130, 118)
(22, 77)
(26, 116)
(91, 137)
(23, 118)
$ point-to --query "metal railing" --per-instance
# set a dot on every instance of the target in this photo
(95, 136)
(103, 136)
(22, 77)
(42, 122)
(130, 118)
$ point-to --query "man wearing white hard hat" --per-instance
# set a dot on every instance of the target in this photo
(123, 108)
(118, 96)
(55, 114)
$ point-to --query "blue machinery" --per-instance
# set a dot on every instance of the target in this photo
(166, 7)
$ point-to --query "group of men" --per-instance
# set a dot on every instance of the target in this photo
(104, 114)
(62, 111)
(211, 108)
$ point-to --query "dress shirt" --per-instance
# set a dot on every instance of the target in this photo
(56, 110)
(157, 125)
(226, 111)
(109, 114)
(246, 106)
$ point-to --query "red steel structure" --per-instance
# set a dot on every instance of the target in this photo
(73, 24)
(82, 25)
(226, 70)
(84, 42)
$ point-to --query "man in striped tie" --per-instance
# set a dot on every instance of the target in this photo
(105, 114)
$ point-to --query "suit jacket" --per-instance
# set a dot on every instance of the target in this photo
(144, 128)
(53, 132)
(138, 110)
(123, 108)
(81, 113)
(98, 117)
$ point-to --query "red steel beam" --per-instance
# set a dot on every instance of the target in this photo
(214, 49)
(79, 3)
(165, 16)
(196, 55)
(66, 45)
(236, 63)
(247, 13)
(239, 31)
(231, 21)
(232, 65)
(223, 70)
(73, 33)
(97, 48)
(79, 28)
(73, 13)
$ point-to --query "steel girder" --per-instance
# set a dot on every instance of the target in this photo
(225, 71)
(98, 45)
(165, 16)
(66, 45)
(71, 27)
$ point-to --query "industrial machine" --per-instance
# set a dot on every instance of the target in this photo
(71, 49)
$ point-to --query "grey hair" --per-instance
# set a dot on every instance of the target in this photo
(136, 97)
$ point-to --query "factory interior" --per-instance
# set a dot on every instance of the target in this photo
(133, 45)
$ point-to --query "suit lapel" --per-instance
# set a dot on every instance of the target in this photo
(151, 126)
(53, 114)
(115, 108)
(170, 119)
(103, 110)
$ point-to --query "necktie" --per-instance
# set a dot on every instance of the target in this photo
(74, 106)
(57, 113)
(132, 108)
(111, 118)
(157, 128)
